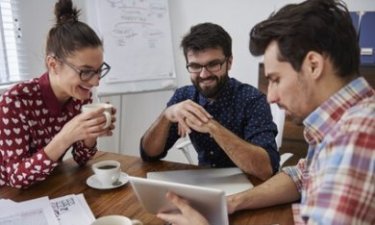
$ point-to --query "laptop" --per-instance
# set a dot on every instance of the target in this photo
(211, 203)
(230, 180)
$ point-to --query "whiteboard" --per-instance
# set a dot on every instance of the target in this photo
(137, 44)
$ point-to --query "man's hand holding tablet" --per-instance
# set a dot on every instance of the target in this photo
(209, 202)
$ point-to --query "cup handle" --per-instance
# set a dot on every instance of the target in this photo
(136, 222)
(108, 119)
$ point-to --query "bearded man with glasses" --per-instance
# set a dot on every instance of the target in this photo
(229, 123)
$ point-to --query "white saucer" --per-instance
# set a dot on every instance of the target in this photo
(94, 183)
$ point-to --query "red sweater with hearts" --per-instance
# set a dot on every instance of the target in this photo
(31, 116)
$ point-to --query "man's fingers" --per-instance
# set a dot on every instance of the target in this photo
(180, 203)
(171, 218)
(183, 127)
(197, 112)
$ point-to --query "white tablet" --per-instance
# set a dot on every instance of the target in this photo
(209, 202)
(230, 180)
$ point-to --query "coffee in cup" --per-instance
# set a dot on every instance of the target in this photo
(107, 111)
(116, 220)
(107, 172)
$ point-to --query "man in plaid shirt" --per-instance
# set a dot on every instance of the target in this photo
(311, 59)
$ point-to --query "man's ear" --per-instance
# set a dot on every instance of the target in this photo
(314, 64)
(229, 62)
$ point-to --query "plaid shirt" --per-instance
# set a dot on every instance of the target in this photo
(337, 178)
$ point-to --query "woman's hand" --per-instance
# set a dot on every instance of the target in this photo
(87, 126)
(90, 142)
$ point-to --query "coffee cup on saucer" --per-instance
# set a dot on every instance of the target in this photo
(116, 220)
(107, 172)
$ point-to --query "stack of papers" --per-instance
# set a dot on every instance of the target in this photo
(66, 210)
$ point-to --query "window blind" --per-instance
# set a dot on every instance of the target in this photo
(12, 57)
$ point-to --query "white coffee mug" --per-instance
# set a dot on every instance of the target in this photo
(107, 111)
(107, 172)
(116, 220)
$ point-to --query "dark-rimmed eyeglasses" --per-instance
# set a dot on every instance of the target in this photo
(212, 66)
(87, 74)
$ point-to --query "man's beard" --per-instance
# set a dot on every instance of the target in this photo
(211, 92)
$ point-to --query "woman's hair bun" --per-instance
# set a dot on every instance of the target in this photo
(65, 13)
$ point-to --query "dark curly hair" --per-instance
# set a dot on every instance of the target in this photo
(207, 35)
(323, 26)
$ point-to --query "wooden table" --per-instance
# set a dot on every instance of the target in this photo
(68, 178)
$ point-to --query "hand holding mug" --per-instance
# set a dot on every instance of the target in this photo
(107, 111)
(88, 125)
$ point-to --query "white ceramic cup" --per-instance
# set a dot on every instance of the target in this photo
(107, 111)
(116, 220)
(107, 172)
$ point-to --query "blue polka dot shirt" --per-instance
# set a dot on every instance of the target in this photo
(242, 109)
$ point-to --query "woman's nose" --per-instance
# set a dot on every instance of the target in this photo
(94, 81)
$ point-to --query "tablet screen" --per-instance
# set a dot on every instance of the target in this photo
(209, 202)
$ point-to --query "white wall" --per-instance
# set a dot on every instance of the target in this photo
(139, 110)
(237, 17)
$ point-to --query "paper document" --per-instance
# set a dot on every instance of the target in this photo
(71, 208)
(66, 210)
(38, 211)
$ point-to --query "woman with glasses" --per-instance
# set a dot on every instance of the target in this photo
(229, 123)
(40, 118)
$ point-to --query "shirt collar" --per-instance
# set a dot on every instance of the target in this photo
(50, 99)
(224, 93)
(319, 123)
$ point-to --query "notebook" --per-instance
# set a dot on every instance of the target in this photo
(209, 202)
(230, 180)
